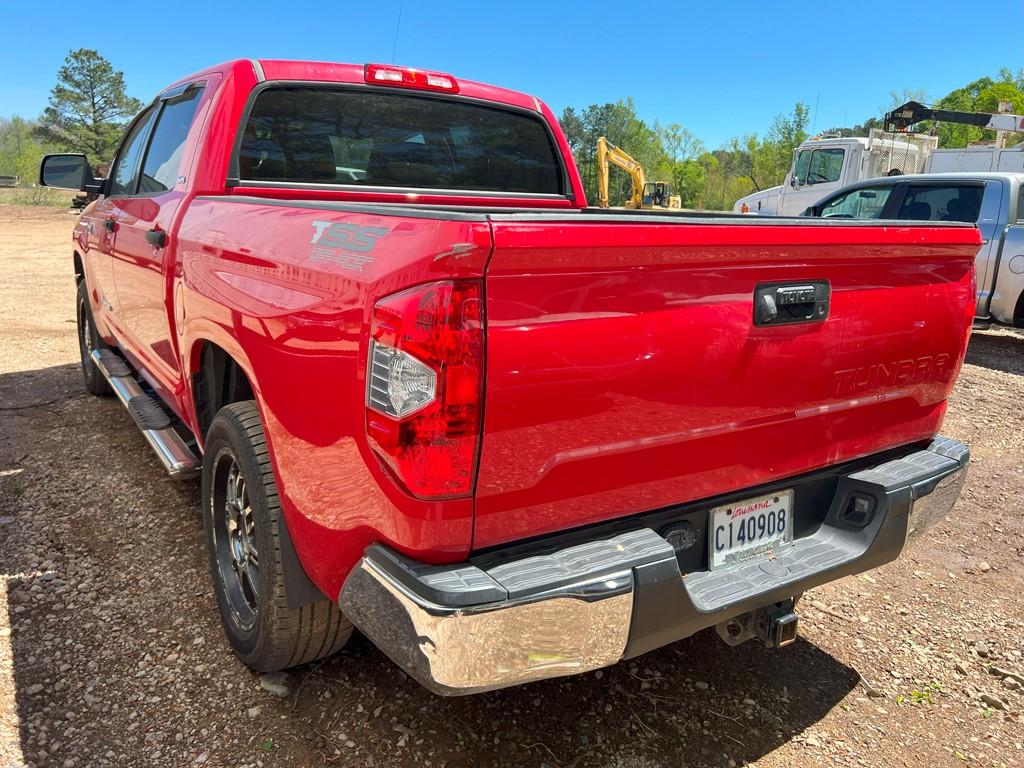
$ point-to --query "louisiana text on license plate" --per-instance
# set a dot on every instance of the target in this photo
(750, 527)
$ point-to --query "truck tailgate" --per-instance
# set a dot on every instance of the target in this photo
(625, 372)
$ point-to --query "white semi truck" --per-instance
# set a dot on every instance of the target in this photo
(824, 165)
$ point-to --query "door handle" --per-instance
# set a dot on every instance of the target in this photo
(157, 238)
(110, 225)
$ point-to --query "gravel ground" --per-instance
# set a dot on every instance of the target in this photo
(111, 652)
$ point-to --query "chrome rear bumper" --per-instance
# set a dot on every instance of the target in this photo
(465, 628)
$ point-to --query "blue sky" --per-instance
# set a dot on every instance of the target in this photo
(719, 68)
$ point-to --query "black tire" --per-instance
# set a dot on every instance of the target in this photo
(88, 340)
(242, 522)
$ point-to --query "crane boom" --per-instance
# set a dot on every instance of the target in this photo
(903, 117)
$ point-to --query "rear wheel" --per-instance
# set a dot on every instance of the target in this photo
(242, 517)
(88, 341)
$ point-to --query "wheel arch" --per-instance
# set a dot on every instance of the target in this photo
(218, 378)
(79, 267)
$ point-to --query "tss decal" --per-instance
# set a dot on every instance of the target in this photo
(350, 237)
(344, 245)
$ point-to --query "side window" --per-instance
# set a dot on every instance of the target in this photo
(826, 166)
(122, 180)
(163, 159)
(942, 203)
(857, 204)
(803, 159)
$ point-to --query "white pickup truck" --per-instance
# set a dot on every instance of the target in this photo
(993, 201)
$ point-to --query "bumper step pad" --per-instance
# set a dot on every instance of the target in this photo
(712, 590)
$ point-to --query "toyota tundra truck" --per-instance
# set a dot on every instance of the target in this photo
(434, 395)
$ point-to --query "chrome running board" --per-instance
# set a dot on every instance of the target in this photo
(149, 416)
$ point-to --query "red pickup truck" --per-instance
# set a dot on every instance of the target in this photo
(434, 395)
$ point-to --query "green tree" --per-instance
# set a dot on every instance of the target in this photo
(1007, 75)
(680, 144)
(620, 124)
(860, 129)
(20, 149)
(687, 175)
(750, 163)
(788, 131)
(899, 98)
(88, 107)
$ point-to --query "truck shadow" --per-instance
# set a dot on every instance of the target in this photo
(696, 702)
(999, 351)
(112, 651)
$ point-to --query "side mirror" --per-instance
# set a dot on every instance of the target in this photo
(67, 171)
(792, 181)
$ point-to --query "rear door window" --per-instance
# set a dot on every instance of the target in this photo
(857, 204)
(372, 139)
(942, 202)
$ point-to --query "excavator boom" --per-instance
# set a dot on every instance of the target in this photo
(608, 153)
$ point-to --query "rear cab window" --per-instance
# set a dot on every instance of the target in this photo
(362, 138)
(942, 202)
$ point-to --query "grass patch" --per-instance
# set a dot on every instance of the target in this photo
(37, 196)
(925, 696)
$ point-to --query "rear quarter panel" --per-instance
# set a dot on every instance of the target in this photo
(287, 290)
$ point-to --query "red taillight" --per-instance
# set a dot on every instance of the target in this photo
(423, 393)
(404, 77)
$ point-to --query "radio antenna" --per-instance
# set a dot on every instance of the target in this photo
(398, 26)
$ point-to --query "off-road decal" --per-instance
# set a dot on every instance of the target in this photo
(344, 245)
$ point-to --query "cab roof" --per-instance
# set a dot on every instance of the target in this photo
(332, 72)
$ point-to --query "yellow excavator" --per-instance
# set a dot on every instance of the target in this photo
(656, 195)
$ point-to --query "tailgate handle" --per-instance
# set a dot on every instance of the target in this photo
(786, 303)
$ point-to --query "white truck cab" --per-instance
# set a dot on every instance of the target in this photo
(823, 165)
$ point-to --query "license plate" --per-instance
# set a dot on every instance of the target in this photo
(750, 528)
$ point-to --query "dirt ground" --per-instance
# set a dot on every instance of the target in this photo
(111, 652)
